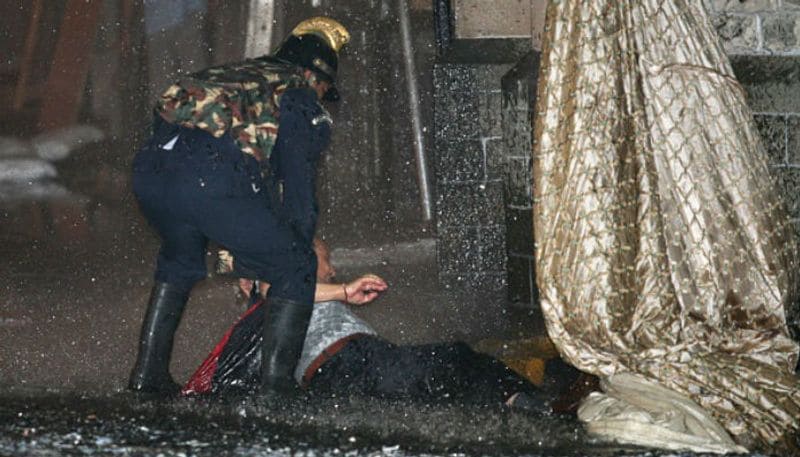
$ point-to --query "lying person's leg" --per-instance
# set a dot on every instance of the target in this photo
(435, 372)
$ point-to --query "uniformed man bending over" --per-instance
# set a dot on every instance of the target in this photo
(224, 141)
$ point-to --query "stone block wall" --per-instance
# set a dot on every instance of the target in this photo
(469, 186)
(757, 26)
(519, 99)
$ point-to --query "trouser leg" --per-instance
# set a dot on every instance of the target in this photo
(164, 310)
(372, 366)
(270, 251)
(180, 264)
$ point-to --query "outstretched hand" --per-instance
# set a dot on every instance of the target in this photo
(364, 289)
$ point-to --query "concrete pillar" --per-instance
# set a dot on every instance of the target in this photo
(478, 19)
(538, 12)
(259, 28)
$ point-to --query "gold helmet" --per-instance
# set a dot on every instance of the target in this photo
(314, 44)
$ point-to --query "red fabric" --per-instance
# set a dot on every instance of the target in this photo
(200, 382)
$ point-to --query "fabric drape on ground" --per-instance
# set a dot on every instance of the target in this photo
(663, 248)
(637, 411)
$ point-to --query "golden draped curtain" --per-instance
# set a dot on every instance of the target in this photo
(663, 248)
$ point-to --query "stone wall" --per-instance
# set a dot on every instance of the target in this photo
(757, 26)
(519, 99)
(469, 187)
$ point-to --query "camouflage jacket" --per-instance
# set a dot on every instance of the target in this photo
(241, 98)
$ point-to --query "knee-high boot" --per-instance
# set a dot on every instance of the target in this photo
(151, 372)
(285, 328)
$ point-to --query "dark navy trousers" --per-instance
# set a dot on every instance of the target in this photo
(192, 188)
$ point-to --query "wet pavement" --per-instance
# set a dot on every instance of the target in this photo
(124, 424)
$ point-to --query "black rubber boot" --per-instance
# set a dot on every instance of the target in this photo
(284, 333)
(151, 372)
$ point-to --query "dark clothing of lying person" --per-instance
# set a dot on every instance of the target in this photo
(343, 355)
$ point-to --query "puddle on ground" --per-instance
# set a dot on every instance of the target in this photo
(39, 424)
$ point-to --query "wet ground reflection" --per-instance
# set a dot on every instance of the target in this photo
(123, 424)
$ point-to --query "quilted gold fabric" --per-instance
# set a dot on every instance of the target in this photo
(663, 248)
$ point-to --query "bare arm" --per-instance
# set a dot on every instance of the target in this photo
(358, 292)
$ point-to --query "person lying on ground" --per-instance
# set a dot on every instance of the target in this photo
(344, 355)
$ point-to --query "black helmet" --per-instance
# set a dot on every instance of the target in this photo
(314, 44)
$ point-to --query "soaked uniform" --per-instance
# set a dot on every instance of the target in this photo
(223, 141)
